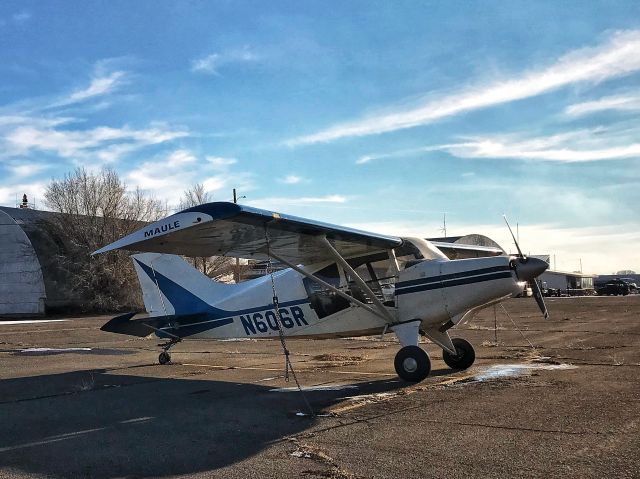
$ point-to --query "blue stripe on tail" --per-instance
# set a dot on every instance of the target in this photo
(182, 300)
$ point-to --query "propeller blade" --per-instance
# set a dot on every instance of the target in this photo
(514, 238)
(535, 289)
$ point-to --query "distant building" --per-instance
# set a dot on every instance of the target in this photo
(467, 246)
(32, 279)
(22, 289)
(568, 283)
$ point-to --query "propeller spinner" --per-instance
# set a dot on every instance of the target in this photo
(528, 269)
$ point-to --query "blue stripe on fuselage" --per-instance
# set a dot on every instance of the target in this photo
(437, 283)
(445, 277)
(188, 325)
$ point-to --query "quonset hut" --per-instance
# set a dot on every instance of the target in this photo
(22, 290)
(32, 282)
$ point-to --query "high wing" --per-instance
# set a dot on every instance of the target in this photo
(229, 229)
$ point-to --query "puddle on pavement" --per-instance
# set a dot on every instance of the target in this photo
(502, 371)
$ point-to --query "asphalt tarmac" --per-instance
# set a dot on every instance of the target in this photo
(557, 398)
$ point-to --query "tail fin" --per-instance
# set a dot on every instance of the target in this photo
(171, 286)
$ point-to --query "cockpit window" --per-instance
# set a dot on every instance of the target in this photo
(323, 300)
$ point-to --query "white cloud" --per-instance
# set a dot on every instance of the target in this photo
(291, 180)
(25, 170)
(179, 158)
(614, 142)
(10, 193)
(105, 143)
(100, 85)
(289, 204)
(166, 178)
(575, 147)
(619, 55)
(10, 121)
(396, 154)
(221, 162)
(211, 64)
(21, 17)
(614, 102)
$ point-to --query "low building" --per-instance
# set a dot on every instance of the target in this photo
(32, 279)
(568, 283)
(22, 288)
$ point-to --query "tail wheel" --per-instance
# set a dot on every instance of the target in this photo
(465, 356)
(412, 364)
(164, 358)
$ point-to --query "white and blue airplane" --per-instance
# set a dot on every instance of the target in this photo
(341, 282)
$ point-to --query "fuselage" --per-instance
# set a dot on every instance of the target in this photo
(434, 291)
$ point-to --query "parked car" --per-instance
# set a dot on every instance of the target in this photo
(613, 287)
(633, 287)
(546, 291)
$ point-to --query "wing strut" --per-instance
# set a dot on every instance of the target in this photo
(345, 265)
(342, 294)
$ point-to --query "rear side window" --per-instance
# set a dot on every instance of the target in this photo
(324, 301)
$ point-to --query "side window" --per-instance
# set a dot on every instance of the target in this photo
(379, 276)
(324, 301)
(407, 255)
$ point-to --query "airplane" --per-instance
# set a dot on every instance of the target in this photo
(340, 282)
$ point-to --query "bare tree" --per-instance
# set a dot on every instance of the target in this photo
(194, 196)
(96, 209)
(215, 267)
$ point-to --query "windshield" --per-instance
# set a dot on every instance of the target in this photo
(413, 249)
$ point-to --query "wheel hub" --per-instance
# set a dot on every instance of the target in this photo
(410, 365)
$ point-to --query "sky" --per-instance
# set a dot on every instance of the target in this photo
(384, 116)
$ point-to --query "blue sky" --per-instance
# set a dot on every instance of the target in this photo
(378, 115)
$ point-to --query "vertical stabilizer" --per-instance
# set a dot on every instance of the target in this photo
(171, 286)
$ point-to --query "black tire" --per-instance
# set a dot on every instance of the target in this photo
(164, 358)
(465, 357)
(412, 364)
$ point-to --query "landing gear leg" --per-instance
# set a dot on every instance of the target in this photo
(412, 363)
(165, 356)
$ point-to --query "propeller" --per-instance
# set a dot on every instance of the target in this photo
(528, 269)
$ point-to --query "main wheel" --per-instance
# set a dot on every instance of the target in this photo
(412, 364)
(164, 358)
(465, 357)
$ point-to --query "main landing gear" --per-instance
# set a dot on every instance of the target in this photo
(412, 364)
(165, 356)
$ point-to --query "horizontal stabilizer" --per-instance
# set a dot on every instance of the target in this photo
(163, 326)
(123, 325)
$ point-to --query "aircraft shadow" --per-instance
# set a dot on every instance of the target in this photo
(103, 425)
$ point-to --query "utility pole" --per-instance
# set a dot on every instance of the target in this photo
(444, 224)
(236, 270)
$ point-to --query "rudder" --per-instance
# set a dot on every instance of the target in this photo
(171, 286)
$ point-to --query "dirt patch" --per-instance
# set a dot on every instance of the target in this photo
(316, 454)
(330, 357)
(330, 360)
